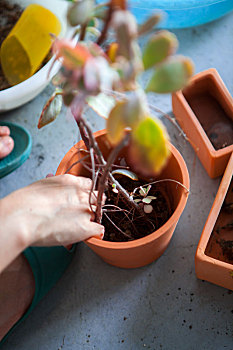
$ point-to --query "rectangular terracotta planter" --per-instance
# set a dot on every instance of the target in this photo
(214, 256)
(204, 111)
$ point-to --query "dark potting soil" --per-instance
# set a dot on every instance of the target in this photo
(127, 225)
(214, 120)
(220, 245)
(10, 14)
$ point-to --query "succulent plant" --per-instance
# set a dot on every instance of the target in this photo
(101, 69)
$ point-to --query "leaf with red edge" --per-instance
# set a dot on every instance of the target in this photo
(51, 110)
(72, 57)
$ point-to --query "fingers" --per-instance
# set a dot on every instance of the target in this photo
(84, 183)
(4, 131)
(6, 146)
(95, 230)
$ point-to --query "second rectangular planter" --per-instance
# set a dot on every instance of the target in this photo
(204, 111)
(214, 256)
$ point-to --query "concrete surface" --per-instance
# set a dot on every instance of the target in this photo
(160, 306)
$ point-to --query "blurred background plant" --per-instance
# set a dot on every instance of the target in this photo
(101, 67)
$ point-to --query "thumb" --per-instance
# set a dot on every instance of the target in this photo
(96, 230)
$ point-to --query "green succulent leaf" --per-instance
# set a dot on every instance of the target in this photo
(148, 189)
(102, 104)
(125, 114)
(146, 200)
(100, 12)
(94, 31)
(171, 76)
(158, 48)
(125, 172)
(125, 26)
(138, 200)
(152, 197)
(114, 189)
(148, 151)
(149, 24)
(142, 191)
(80, 12)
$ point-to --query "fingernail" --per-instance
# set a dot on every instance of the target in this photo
(6, 146)
(6, 141)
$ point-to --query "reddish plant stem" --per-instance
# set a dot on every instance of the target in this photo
(75, 163)
(83, 32)
(104, 177)
(91, 142)
(118, 228)
(106, 25)
(83, 133)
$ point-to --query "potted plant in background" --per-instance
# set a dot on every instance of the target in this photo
(143, 176)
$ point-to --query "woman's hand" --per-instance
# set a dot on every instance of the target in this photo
(53, 211)
(6, 142)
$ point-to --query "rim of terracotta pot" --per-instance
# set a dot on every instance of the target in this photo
(156, 234)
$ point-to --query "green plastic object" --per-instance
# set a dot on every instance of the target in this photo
(48, 265)
(22, 148)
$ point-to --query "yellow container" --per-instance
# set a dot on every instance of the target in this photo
(28, 43)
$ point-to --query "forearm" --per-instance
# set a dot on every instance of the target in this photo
(13, 231)
(53, 211)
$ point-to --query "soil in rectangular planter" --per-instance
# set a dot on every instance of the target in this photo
(212, 117)
(9, 15)
(126, 225)
(220, 245)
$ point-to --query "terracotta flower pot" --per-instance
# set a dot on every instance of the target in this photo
(212, 263)
(204, 110)
(142, 251)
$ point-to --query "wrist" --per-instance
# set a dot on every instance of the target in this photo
(14, 235)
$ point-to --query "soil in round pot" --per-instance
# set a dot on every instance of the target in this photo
(127, 225)
(130, 253)
(205, 102)
(220, 245)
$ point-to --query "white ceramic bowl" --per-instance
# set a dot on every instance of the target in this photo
(19, 94)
